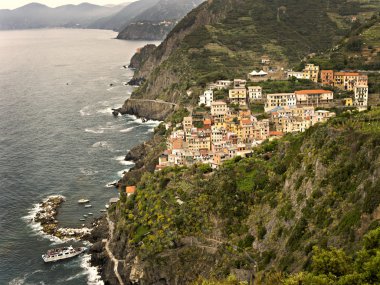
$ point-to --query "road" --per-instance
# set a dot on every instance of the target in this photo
(109, 252)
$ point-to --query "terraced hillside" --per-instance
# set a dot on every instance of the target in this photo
(226, 38)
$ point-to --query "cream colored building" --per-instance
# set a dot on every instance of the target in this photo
(219, 108)
(238, 96)
(314, 97)
(280, 100)
(255, 93)
(361, 96)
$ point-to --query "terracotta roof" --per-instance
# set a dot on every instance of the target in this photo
(276, 133)
(347, 73)
(318, 91)
(207, 122)
(130, 189)
(246, 122)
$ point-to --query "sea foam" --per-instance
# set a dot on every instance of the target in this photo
(93, 277)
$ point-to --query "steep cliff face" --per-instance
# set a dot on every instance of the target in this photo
(140, 56)
(149, 109)
(258, 214)
(226, 38)
(147, 30)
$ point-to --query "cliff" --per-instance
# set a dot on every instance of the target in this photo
(139, 57)
(226, 38)
(151, 31)
(148, 109)
(256, 215)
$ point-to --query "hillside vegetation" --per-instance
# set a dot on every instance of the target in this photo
(226, 38)
(268, 215)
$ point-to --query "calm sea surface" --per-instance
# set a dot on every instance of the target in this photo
(57, 136)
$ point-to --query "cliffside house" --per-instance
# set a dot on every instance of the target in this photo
(130, 190)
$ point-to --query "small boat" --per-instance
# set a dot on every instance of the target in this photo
(88, 206)
(107, 206)
(83, 201)
(53, 255)
(90, 214)
(85, 216)
(82, 220)
(103, 210)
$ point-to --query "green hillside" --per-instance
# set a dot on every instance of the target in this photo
(226, 38)
(262, 214)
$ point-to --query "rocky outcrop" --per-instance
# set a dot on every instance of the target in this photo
(46, 216)
(141, 55)
(149, 109)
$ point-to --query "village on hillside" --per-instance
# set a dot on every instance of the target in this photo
(220, 130)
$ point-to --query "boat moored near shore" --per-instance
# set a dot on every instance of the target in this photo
(57, 254)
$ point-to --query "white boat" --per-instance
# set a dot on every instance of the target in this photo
(88, 206)
(82, 220)
(90, 214)
(103, 210)
(83, 201)
(57, 254)
(107, 206)
(85, 216)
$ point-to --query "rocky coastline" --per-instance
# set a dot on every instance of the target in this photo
(149, 109)
(46, 217)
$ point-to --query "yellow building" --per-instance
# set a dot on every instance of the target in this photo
(311, 72)
(238, 96)
(348, 102)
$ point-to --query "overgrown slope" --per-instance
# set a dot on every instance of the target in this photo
(264, 213)
(226, 38)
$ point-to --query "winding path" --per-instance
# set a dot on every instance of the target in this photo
(109, 252)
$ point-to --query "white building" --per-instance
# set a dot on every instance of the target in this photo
(220, 84)
(206, 98)
(361, 96)
(296, 74)
(255, 93)
(280, 100)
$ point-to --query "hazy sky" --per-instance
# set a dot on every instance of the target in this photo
(11, 4)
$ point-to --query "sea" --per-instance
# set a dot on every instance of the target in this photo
(58, 137)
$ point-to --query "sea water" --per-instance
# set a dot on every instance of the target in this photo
(58, 137)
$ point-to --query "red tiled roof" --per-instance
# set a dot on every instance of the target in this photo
(276, 133)
(347, 73)
(317, 91)
(130, 189)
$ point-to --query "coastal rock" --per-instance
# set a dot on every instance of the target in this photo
(149, 109)
(46, 217)
(136, 81)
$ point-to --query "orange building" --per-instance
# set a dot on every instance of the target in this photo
(327, 77)
(130, 190)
